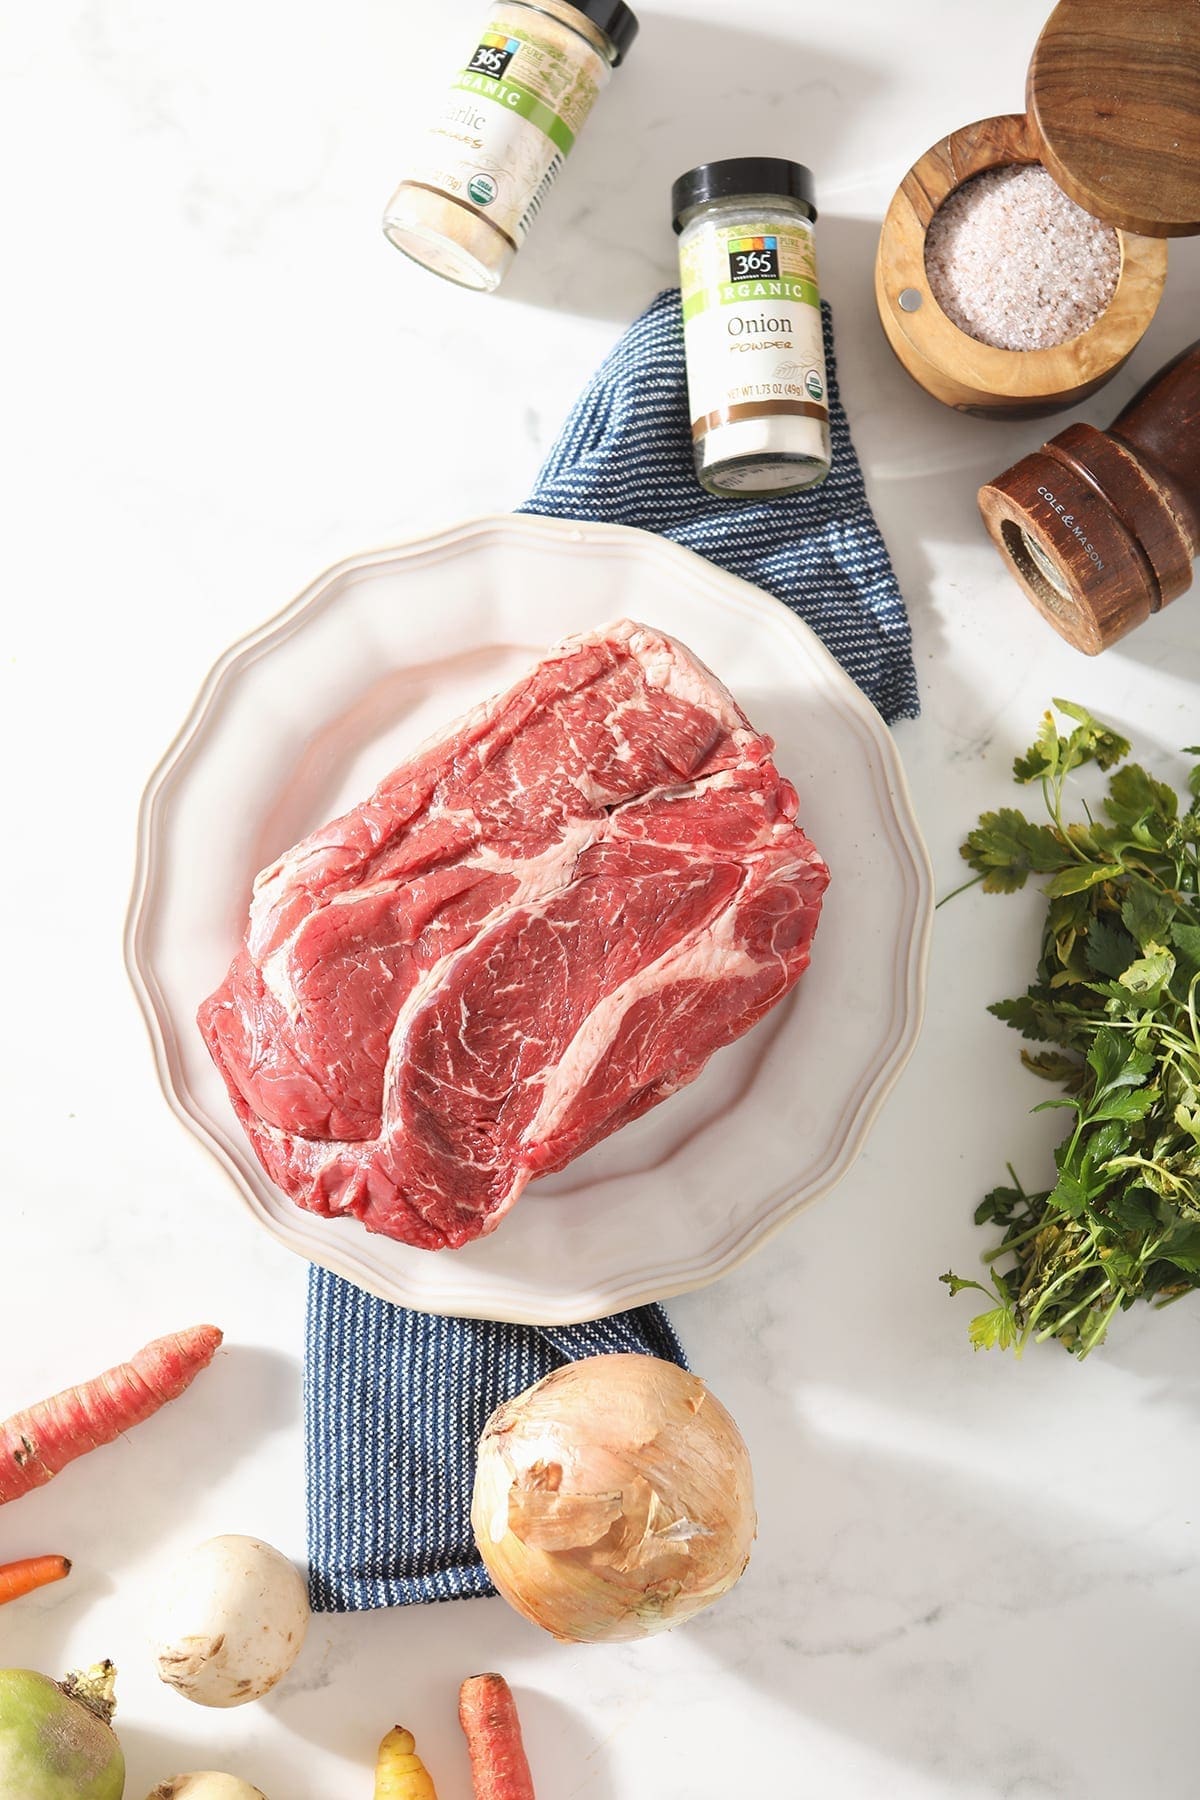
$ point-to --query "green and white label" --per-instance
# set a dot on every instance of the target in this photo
(752, 321)
(511, 118)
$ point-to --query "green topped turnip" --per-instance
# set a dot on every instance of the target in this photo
(56, 1738)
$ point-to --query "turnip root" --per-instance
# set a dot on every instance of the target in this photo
(231, 1620)
(56, 1739)
(206, 1786)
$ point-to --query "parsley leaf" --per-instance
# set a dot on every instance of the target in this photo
(1186, 941)
(1006, 849)
(1083, 876)
(1110, 950)
(1044, 755)
(1134, 796)
(1193, 779)
(1051, 1065)
(1031, 1014)
(1146, 914)
(1147, 977)
(1091, 740)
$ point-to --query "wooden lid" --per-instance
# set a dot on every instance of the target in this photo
(1114, 92)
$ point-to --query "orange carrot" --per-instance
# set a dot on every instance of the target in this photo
(37, 1443)
(488, 1715)
(17, 1578)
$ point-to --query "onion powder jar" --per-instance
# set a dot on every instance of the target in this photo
(513, 112)
(757, 389)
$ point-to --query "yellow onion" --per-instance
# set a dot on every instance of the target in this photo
(613, 1499)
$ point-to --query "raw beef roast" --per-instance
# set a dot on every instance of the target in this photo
(536, 929)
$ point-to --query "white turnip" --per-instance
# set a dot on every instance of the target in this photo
(206, 1785)
(231, 1620)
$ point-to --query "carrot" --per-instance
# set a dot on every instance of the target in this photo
(399, 1773)
(487, 1713)
(17, 1578)
(37, 1443)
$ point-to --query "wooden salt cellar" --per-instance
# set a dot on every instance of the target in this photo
(1101, 528)
(1113, 115)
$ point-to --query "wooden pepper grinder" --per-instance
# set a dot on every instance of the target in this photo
(1101, 527)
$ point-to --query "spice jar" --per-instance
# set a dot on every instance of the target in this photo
(752, 326)
(1023, 257)
(507, 126)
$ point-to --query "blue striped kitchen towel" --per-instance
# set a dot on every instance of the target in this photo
(625, 457)
(395, 1400)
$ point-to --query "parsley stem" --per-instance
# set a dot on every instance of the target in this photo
(1040, 1304)
(1055, 1330)
(1183, 1288)
(974, 882)
(1178, 1182)
(1099, 1331)
(1054, 808)
(991, 1256)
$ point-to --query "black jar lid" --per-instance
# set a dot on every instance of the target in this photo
(739, 175)
(618, 22)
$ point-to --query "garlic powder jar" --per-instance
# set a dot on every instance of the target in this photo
(752, 326)
(498, 145)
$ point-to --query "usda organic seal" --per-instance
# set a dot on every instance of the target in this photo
(482, 189)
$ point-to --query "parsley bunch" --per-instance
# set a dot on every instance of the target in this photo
(1115, 999)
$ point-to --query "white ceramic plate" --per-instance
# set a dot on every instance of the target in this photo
(301, 719)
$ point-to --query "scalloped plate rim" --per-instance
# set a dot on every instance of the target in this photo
(304, 1235)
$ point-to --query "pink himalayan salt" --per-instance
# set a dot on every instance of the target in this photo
(1015, 263)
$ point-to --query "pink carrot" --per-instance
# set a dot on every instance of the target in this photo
(37, 1443)
(488, 1715)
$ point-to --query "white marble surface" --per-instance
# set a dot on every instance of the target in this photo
(974, 1579)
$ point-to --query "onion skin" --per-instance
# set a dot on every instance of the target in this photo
(613, 1499)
